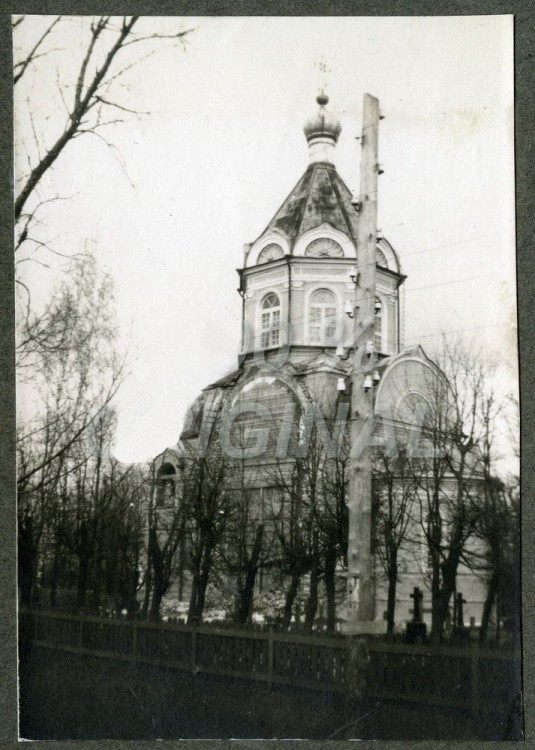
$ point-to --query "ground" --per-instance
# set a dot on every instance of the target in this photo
(71, 697)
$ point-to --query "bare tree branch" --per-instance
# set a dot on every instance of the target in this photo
(119, 106)
(82, 101)
(86, 95)
(181, 35)
(22, 66)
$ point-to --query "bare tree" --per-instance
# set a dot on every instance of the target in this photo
(70, 369)
(83, 525)
(498, 522)
(396, 481)
(91, 98)
(21, 66)
(292, 553)
(207, 501)
(69, 379)
(67, 354)
(89, 499)
(310, 520)
(119, 555)
(242, 550)
(245, 546)
(326, 482)
(313, 502)
(310, 525)
(451, 477)
(166, 532)
(334, 525)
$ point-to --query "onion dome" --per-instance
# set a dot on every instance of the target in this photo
(320, 196)
(322, 124)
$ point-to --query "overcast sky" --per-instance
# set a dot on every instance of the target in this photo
(223, 146)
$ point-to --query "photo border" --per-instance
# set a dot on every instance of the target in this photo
(525, 223)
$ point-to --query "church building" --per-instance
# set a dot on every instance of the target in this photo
(292, 382)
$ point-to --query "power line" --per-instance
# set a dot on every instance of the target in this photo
(406, 255)
(453, 281)
(411, 339)
(338, 306)
(455, 330)
(427, 249)
(442, 247)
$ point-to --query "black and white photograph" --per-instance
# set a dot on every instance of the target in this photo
(268, 463)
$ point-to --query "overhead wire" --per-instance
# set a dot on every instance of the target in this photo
(339, 306)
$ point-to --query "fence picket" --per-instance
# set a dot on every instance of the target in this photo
(424, 674)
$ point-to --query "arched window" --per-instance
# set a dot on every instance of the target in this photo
(378, 339)
(322, 317)
(165, 486)
(270, 324)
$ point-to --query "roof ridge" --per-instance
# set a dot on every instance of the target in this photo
(342, 206)
(312, 170)
(282, 204)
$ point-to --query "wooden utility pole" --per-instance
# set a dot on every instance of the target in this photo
(360, 595)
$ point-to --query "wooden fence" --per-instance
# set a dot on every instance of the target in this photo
(469, 678)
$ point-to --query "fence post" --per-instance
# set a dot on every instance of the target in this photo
(474, 679)
(36, 625)
(81, 634)
(193, 650)
(270, 658)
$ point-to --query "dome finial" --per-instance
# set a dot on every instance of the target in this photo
(322, 131)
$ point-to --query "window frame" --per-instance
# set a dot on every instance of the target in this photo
(378, 337)
(323, 307)
(270, 334)
(165, 486)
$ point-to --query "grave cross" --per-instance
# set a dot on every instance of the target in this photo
(418, 596)
(460, 614)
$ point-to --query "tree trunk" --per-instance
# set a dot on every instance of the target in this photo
(290, 598)
(447, 589)
(329, 581)
(127, 588)
(27, 557)
(246, 594)
(84, 559)
(193, 596)
(148, 587)
(181, 565)
(83, 574)
(437, 619)
(245, 598)
(391, 596)
(54, 578)
(27, 577)
(160, 579)
(98, 578)
(440, 615)
(312, 601)
(156, 602)
(201, 574)
(487, 607)
(201, 595)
